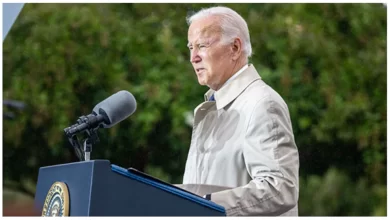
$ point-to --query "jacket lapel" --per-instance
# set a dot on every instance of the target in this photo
(231, 91)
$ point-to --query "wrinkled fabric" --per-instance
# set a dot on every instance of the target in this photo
(244, 140)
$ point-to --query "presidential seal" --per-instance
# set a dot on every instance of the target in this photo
(57, 201)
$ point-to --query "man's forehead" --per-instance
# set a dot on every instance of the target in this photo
(208, 29)
(204, 31)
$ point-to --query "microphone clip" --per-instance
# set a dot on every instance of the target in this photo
(82, 152)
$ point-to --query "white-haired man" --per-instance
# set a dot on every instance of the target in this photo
(242, 135)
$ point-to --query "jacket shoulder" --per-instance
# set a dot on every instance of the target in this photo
(260, 92)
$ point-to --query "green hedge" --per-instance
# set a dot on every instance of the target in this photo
(328, 61)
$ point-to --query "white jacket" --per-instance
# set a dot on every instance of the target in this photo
(244, 140)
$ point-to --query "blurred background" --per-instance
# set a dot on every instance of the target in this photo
(328, 61)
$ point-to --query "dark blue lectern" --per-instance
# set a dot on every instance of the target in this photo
(97, 188)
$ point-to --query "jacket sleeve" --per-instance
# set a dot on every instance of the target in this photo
(272, 161)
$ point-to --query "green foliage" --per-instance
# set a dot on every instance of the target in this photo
(335, 194)
(328, 61)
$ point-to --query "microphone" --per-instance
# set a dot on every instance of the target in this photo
(116, 108)
(106, 114)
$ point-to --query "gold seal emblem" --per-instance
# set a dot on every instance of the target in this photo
(57, 201)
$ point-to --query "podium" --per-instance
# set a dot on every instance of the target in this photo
(99, 188)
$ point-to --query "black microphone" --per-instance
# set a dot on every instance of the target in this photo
(106, 114)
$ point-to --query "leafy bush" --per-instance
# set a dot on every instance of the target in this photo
(328, 61)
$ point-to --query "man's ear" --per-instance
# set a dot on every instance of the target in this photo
(236, 48)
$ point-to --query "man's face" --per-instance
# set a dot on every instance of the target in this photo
(209, 57)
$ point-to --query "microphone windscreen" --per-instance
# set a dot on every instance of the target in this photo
(116, 108)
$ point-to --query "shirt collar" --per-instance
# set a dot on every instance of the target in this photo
(235, 75)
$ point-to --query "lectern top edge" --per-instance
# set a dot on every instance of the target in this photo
(168, 187)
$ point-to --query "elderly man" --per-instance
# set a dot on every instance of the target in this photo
(242, 135)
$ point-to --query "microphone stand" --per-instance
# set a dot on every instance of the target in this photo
(83, 153)
(91, 139)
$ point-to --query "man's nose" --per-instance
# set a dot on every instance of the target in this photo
(195, 58)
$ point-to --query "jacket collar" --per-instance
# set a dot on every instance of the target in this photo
(232, 90)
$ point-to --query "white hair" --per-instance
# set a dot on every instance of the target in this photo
(232, 25)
